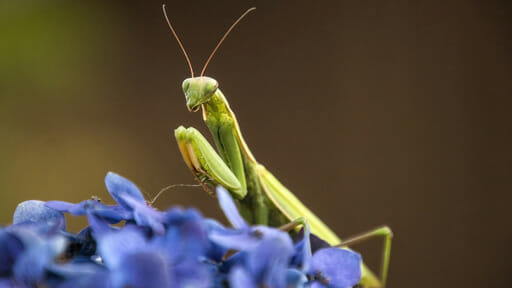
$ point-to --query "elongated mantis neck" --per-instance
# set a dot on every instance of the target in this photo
(217, 107)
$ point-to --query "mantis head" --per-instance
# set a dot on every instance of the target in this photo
(198, 90)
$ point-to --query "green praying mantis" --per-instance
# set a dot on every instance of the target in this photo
(261, 198)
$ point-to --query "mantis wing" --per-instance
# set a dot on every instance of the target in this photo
(292, 208)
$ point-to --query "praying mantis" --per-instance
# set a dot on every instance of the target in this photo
(262, 199)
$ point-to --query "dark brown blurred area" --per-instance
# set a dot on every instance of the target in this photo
(372, 112)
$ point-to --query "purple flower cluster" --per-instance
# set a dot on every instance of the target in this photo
(173, 248)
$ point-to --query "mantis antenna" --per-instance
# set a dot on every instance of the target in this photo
(224, 37)
(171, 187)
(179, 42)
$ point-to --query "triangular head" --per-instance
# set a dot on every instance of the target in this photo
(198, 90)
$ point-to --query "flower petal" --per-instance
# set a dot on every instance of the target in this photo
(144, 215)
(269, 260)
(115, 245)
(295, 278)
(240, 278)
(340, 268)
(35, 212)
(229, 208)
(113, 214)
(10, 248)
(215, 252)
(30, 265)
(119, 186)
(186, 236)
(192, 273)
(232, 239)
(78, 275)
(302, 255)
(142, 269)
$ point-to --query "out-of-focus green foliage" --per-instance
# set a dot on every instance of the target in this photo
(47, 53)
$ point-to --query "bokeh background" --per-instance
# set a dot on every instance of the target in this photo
(372, 112)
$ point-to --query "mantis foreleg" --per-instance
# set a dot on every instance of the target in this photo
(204, 162)
(208, 167)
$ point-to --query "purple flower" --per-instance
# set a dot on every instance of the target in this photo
(186, 244)
(35, 212)
(267, 262)
(174, 248)
(295, 278)
(264, 264)
(240, 278)
(142, 269)
(229, 208)
(130, 198)
(265, 252)
(214, 252)
(132, 261)
(335, 268)
(302, 256)
(10, 248)
(186, 235)
(39, 252)
(175, 257)
(132, 205)
(78, 275)
(244, 236)
(111, 213)
(119, 187)
(143, 214)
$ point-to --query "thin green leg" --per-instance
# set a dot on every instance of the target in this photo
(383, 231)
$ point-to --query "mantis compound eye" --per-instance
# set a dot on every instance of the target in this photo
(185, 85)
(210, 87)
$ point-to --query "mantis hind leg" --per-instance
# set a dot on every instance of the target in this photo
(293, 208)
(383, 231)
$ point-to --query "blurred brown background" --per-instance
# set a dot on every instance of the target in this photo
(372, 112)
